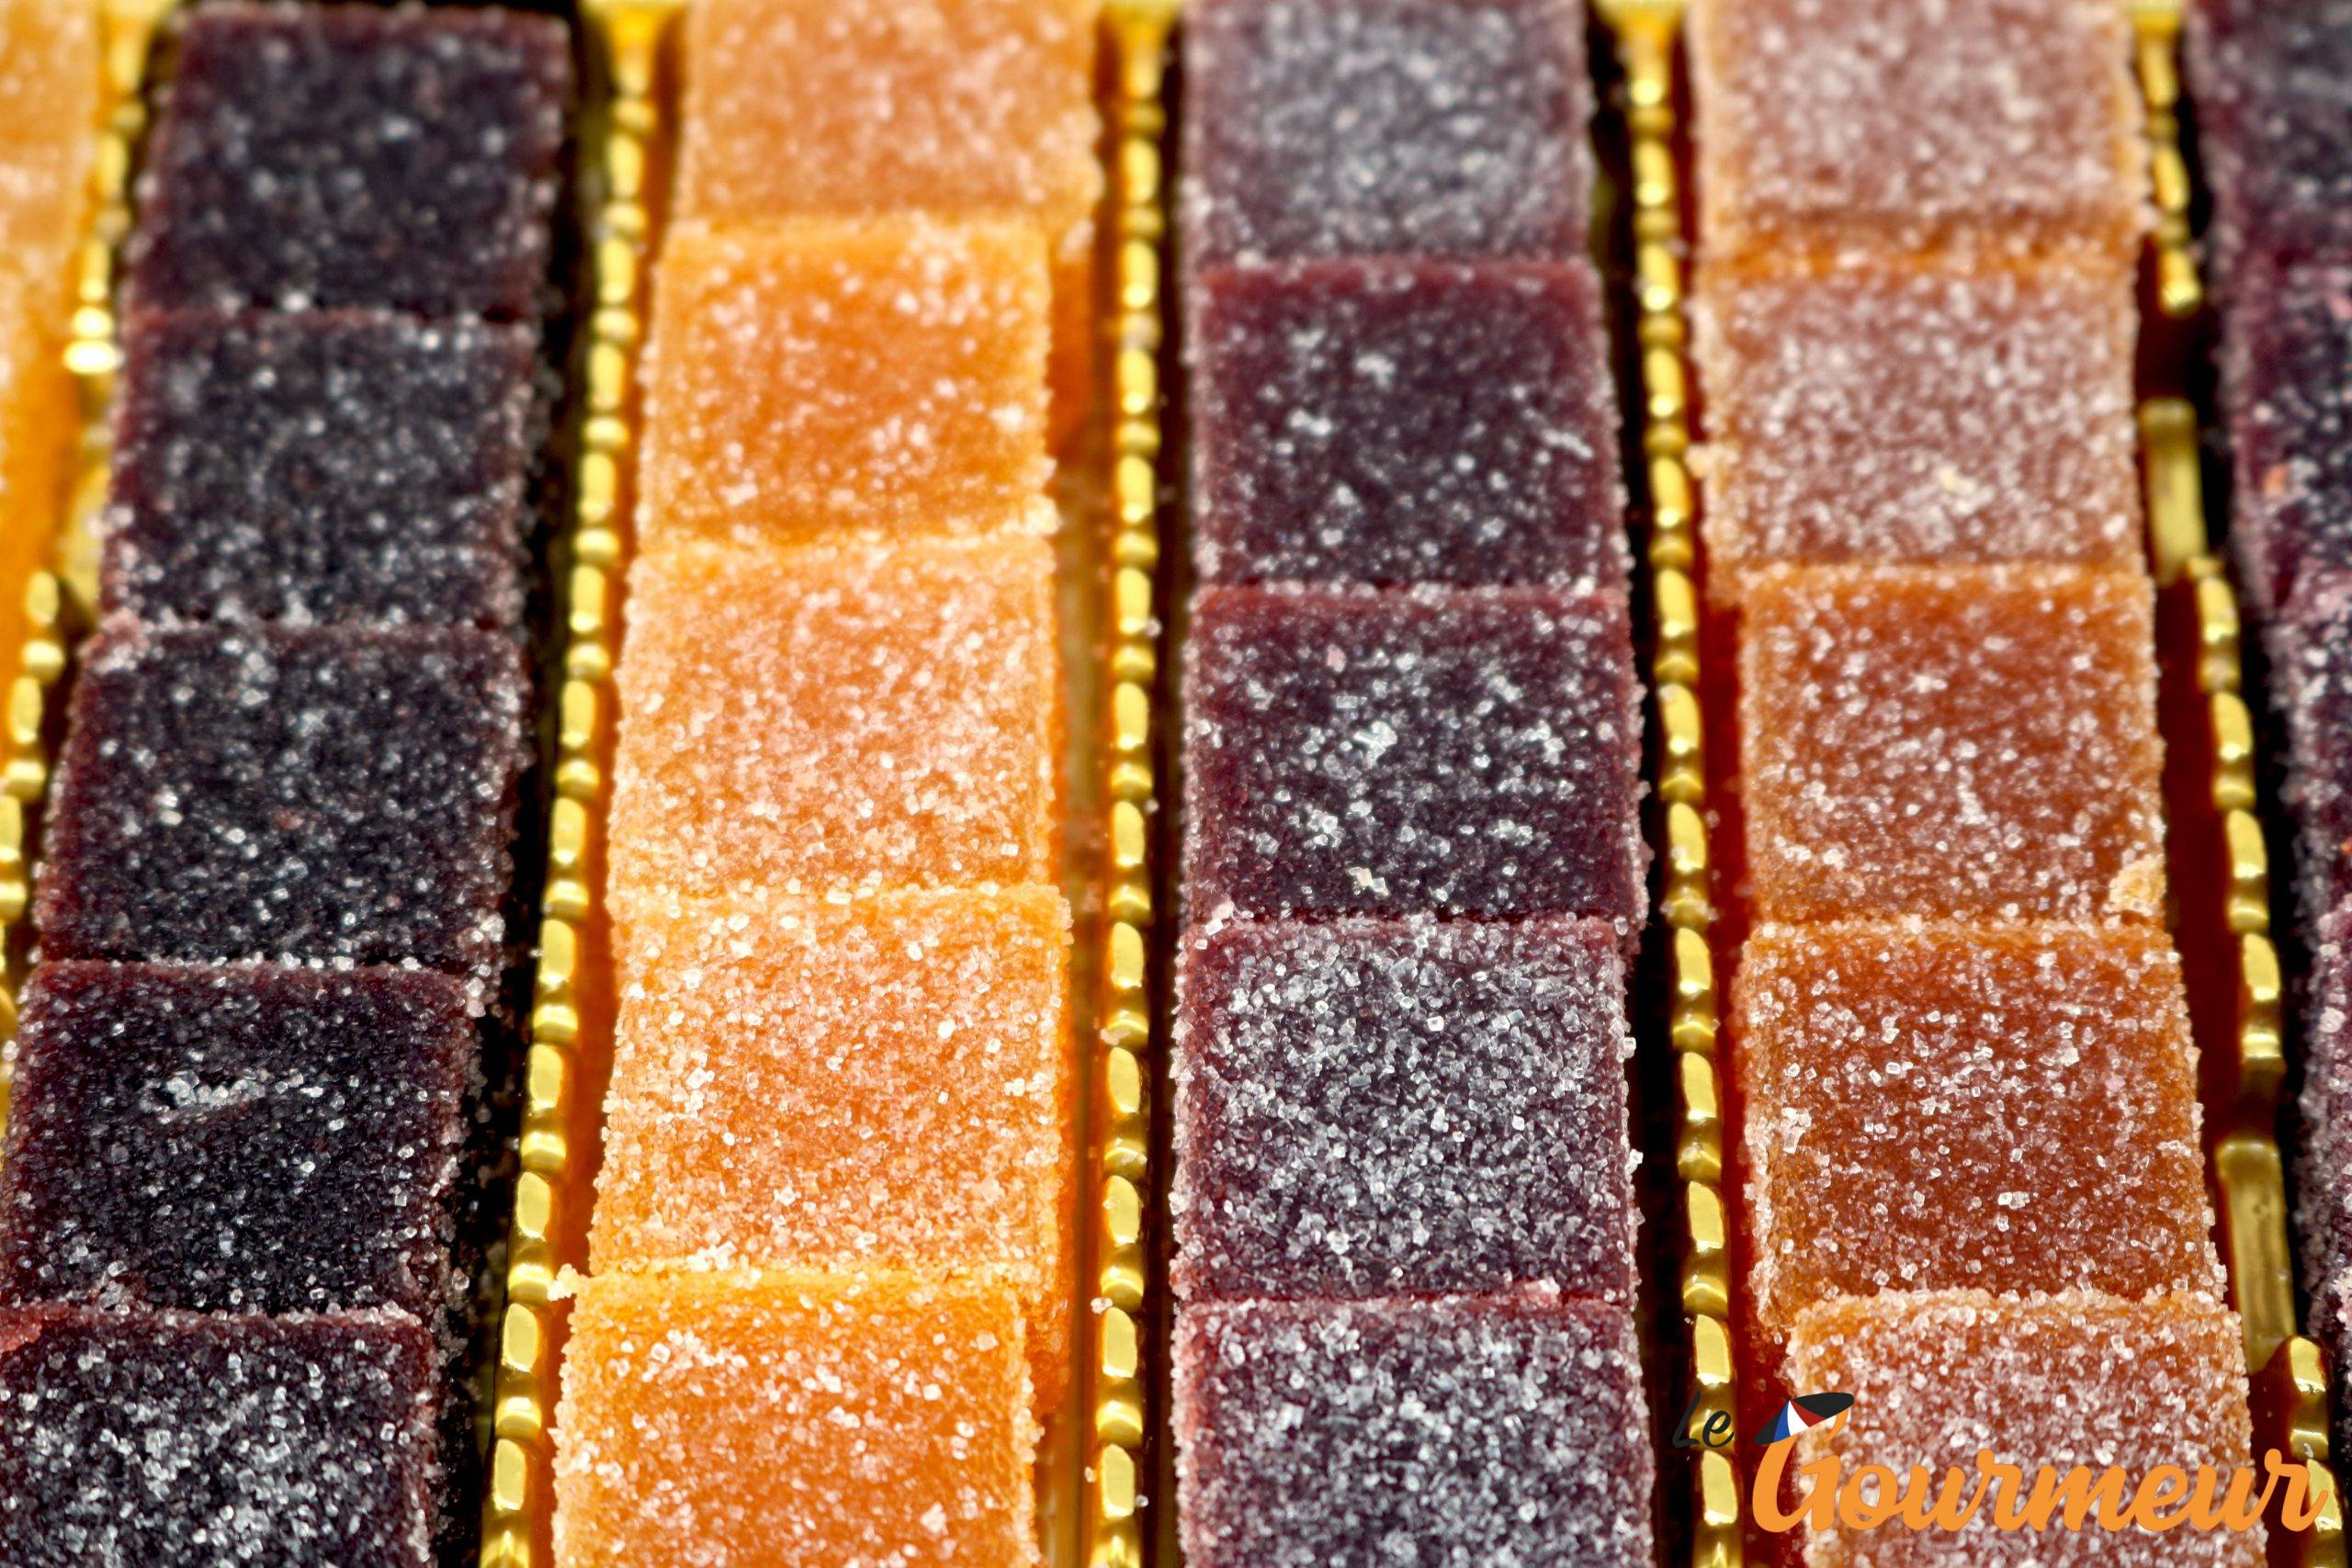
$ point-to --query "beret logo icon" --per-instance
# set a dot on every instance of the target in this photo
(1803, 1413)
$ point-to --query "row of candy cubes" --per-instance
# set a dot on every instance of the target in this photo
(254, 1159)
(1413, 874)
(1969, 1093)
(2265, 84)
(832, 1251)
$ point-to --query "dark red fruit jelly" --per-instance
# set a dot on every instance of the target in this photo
(1394, 423)
(2272, 86)
(2287, 375)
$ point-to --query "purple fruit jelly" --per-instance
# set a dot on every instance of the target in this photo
(323, 796)
(1372, 1108)
(172, 1441)
(2287, 381)
(1392, 422)
(1420, 127)
(235, 1137)
(339, 466)
(2323, 1159)
(1506, 1428)
(2310, 681)
(2272, 86)
(327, 155)
(1465, 751)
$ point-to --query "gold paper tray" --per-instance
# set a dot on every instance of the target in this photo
(1091, 1494)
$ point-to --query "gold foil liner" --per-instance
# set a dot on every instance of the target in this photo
(1647, 33)
(1089, 1478)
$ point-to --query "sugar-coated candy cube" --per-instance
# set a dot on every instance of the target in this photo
(321, 467)
(2287, 378)
(1935, 1107)
(1410, 127)
(1505, 1428)
(961, 108)
(1982, 127)
(2274, 111)
(1465, 751)
(884, 1081)
(1979, 743)
(1906, 415)
(312, 795)
(794, 1419)
(1376, 1108)
(49, 126)
(2324, 1153)
(818, 720)
(811, 378)
(2310, 683)
(328, 155)
(179, 1440)
(2059, 1381)
(38, 418)
(1392, 422)
(235, 1137)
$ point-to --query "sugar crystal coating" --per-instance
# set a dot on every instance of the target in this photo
(235, 1137)
(174, 1440)
(884, 1081)
(824, 720)
(1878, 414)
(1368, 1108)
(1931, 1107)
(330, 466)
(1984, 126)
(813, 378)
(2324, 1153)
(2310, 683)
(802, 1420)
(322, 796)
(2072, 1379)
(1410, 127)
(48, 120)
(38, 417)
(1467, 751)
(1464, 1430)
(1392, 422)
(2286, 362)
(1976, 743)
(2272, 90)
(329, 155)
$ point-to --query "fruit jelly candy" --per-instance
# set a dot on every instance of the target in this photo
(963, 108)
(790, 1086)
(1505, 1428)
(328, 155)
(178, 1440)
(2274, 111)
(39, 418)
(800, 1420)
(1981, 127)
(2323, 1155)
(49, 122)
(321, 467)
(1465, 751)
(1979, 743)
(1374, 1108)
(2066, 1380)
(1934, 1107)
(235, 1137)
(2287, 383)
(822, 720)
(2310, 681)
(812, 379)
(1414, 128)
(1903, 415)
(319, 795)
(1386, 422)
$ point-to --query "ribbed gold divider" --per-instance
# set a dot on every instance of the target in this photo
(1647, 33)
(2290, 1376)
(1138, 33)
(60, 599)
(624, 132)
